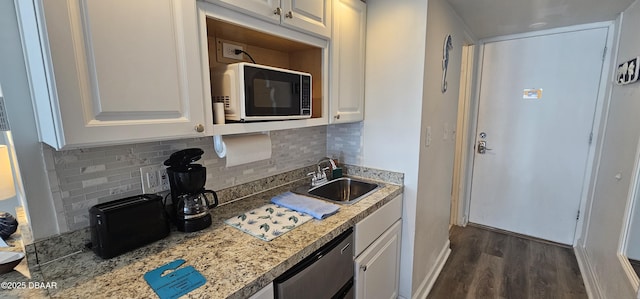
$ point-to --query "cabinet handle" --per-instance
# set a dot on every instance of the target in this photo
(363, 268)
(277, 11)
(199, 128)
(289, 15)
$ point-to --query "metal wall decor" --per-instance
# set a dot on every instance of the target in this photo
(628, 71)
(448, 46)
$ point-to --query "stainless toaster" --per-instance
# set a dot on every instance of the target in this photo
(125, 224)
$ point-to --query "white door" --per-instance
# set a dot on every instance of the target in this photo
(536, 110)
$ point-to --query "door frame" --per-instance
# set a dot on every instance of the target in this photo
(460, 161)
(467, 148)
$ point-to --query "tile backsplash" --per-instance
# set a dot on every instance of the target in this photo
(82, 178)
(344, 142)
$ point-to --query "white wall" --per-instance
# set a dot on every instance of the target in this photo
(598, 249)
(439, 112)
(396, 32)
(17, 96)
(402, 89)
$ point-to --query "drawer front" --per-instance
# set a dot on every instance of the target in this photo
(372, 227)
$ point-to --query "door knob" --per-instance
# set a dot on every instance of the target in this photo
(482, 147)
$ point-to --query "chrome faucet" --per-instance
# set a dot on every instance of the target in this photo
(319, 177)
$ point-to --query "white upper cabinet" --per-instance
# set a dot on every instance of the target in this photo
(266, 9)
(309, 15)
(118, 71)
(347, 61)
(312, 16)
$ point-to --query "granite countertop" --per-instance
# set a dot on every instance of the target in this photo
(20, 277)
(235, 264)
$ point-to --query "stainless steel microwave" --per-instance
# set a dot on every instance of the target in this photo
(252, 92)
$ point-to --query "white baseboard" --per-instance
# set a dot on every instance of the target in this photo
(588, 276)
(426, 285)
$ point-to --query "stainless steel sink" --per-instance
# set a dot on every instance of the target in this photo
(342, 190)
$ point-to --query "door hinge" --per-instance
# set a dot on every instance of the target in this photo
(604, 53)
(590, 138)
(578, 216)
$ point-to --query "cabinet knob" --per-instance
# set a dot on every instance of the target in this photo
(363, 268)
(277, 11)
(289, 15)
(337, 116)
(199, 128)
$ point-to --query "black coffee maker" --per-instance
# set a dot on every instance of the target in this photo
(191, 202)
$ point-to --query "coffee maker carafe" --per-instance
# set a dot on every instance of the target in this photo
(191, 202)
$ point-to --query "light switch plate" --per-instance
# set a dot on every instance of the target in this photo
(154, 179)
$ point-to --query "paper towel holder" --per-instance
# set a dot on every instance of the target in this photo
(221, 148)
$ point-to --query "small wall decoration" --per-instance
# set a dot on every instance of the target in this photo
(448, 46)
(627, 72)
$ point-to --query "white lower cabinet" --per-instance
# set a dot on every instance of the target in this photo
(377, 263)
(377, 268)
(264, 293)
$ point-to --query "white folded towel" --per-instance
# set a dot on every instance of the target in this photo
(317, 208)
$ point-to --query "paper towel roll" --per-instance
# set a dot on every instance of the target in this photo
(245, 149)
(218, 113)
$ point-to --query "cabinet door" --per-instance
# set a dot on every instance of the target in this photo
(347, 61)
(265, 9)
(378, 268)
(124, 70)
(309, 15)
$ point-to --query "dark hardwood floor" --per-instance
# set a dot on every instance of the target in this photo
(636, 266)
(490, 264)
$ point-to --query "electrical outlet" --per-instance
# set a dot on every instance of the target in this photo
(225, 51)
(154, 179)
(164, 179)
(228, 51)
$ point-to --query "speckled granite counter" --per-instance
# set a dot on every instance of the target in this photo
(15, 284)
(235, 264)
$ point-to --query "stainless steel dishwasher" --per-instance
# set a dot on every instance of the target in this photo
(327, 273)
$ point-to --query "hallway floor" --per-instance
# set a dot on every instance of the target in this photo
(491, 264)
